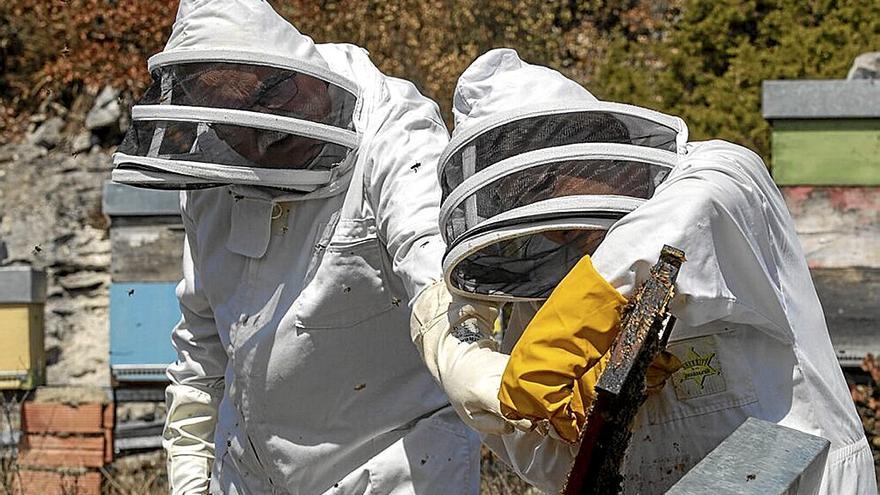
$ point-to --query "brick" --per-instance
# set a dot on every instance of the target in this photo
(50, 417)
(66, 442)
(62, 458)
(94, 450)
(56, 482)
(109, 425)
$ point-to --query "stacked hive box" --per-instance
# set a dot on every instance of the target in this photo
(66, 438)
(22, 354)
(826, 160)
(146, 238)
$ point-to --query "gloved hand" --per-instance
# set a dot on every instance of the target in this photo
(557, 362)
(663, 366)
(188, 437)
(454, 338)
(659, 371)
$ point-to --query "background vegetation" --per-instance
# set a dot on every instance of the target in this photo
(701, 59)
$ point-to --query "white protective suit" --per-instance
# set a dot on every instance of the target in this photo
(295, 370)
(751, 333)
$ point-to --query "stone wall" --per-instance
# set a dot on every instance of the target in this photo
(50, 218)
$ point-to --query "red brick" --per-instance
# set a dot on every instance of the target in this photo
(64, 442)
(62, 458)
(64, 418)
(53, 482)
(109, 425)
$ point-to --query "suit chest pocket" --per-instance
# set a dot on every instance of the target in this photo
(349, 284)
(714, 377)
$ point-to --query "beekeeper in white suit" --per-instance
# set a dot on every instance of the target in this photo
(538, 174)
(311, 222)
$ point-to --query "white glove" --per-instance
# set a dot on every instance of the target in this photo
(454, 338)
(188, 438)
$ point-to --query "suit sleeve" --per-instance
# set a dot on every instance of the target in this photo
(197, 381)
(402, 184)
(716, 208)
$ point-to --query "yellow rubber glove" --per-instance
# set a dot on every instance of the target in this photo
(663, 366)
(557, 362)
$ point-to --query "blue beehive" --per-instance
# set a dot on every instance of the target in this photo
(146, 237)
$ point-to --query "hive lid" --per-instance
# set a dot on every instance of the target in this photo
(122, 200)
(821, 99)
(22, 284)
(759, 458)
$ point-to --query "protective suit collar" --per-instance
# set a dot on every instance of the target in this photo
(254, 209)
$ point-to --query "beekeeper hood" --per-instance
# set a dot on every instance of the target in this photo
(239, 96)
(537, 171)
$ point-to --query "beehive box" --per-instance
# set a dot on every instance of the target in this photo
(22, 353)
(146, 236)
(826, 160)
(824, 133)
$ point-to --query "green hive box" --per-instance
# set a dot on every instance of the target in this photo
(824, 132)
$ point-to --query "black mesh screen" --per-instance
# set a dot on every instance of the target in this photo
(255, 88)
(530, 266)
(230, 145)
(553, 180)
(534, 133)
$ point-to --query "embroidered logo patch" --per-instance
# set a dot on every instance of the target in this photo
(700, 372)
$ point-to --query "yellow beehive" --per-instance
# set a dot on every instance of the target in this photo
(22, 352)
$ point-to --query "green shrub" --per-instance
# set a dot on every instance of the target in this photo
(709, 65)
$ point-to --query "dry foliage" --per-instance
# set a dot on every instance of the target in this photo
(867, 399)
(142, 474)
(701, 59)
(433, 42)
(56, 50)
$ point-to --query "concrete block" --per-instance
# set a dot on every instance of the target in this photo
(849, 298)
(52, 417)
(838, 227)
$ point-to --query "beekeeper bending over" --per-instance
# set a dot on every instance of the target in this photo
(311, 222)
(552, 194)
